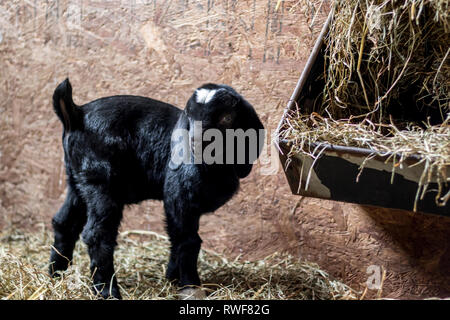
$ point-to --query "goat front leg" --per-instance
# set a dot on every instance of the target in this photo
(185, 247)
(188, 251)
(173, 271)
(100, 233)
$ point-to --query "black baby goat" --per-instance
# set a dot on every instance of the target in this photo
(120, 150)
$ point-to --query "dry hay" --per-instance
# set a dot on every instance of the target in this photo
(381, 52)
(386, 87)
(141, 257)
(432, 144)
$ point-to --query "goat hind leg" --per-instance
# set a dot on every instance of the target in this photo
(67, 225)
(100, 235)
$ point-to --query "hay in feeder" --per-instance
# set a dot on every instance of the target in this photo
(140, 260)
(388, 58)
(386, 82)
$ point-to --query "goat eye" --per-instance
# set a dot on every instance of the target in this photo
(226, 119)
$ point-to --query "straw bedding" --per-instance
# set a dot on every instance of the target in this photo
(141, 257)
(386, 86)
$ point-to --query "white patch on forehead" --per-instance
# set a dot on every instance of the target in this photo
(204, 95)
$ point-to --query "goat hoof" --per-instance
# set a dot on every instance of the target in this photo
(191, 294)
(106, 293)
(56, 267)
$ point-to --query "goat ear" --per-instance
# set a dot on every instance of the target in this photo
(179, 143)
(248, 119)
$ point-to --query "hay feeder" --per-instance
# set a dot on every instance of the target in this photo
(350, 174)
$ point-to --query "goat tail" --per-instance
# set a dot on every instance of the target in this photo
(64, 107)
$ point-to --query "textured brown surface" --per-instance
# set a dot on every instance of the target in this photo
(165, 49)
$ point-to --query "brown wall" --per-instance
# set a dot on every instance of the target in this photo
(165, 49)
